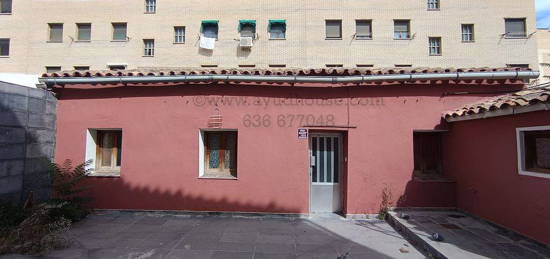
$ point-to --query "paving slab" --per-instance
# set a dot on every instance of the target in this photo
(125, 235)
(463, 236)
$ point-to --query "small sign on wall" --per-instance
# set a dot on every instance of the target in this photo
(302, 133)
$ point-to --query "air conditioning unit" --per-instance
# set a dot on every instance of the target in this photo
(246, 42)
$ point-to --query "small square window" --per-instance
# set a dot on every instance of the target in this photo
(402, 29)
(84, 31)
(179, 34)
(433, 5)
(53, 69)
(150, 6)
(277, 29)
(427, 154)
(515, 28)
(120, 31)
(468, 33)
(333, 29)
(148, 47)
(218, 154)
(209, 29)
(82, 68)
(4, 47)
(56, 32)
(104, 148)
(363, 29)
(534, 151)
(5, 6)
(435, 46)
(247, 28)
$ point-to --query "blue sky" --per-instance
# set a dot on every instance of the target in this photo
(543, 13)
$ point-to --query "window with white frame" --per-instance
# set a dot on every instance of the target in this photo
(53, 69)
(247, 28)
(84, 31)
(515, 28)
(148, 47)
(467, 32)
(116, 67)
(5, 6)
(277, 29)
(179, 34)
(4, 47)
(120, 31)
(402, 29)
(433, 4)
(104, 148)
(150, 6)
(82, 68)
(533, 147)
(435, 46)
(363, 29)
(218, 154)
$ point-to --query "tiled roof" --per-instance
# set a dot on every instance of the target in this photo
(339, 71)
(524, 98)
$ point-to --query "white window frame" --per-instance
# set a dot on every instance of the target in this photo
(399, 35)
(179, 34)
(150, 6)
(91, 152)
(434, 5)
(469, 35)
(2, 6)
(202, 162)
(520, 136)
(148, 47)
(435, 46)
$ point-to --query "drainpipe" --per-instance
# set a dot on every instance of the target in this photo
(500, 75)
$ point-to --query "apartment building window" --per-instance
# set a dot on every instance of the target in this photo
(334, 65)
(515, 28)
(4, 47)
(218, 154)
(363, 29)
(247, 28)
(402, 29)
(467, 33)
(84, 31)
(148, 47)
(533, 145)
(524, 66)
(427, 154)
(364, 65)
(5, 6)
(179, 34)
(53, 69)
(277, 65)
(209, 28)
(150, 6)
(82, 68)
(433, 5)
(120, 31)
(403, 65)
(116, 67)
(333, 29)
(435, 46)
(56, 32)
(104, 147)
(277, 29)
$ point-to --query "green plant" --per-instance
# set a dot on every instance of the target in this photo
(386, 203)
(10, 217)
(68, 200)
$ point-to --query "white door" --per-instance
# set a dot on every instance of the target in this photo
(325, 152)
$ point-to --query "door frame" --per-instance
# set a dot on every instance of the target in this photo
(341, 163)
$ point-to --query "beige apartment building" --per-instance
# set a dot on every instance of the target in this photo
(41, 35)
(543, 38)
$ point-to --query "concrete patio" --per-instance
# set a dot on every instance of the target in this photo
(161, 235)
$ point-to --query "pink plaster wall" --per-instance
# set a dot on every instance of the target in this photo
(482, 156)
(160, 143)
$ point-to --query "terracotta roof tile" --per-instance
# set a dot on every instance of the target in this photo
(157, 71)
(518, 99)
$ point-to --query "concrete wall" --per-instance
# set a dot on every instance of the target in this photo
(27, 137)
(543, 42)
(482, 156)
(305, 46)
(160, 153)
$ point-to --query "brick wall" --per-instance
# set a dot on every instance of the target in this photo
(27, 140)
